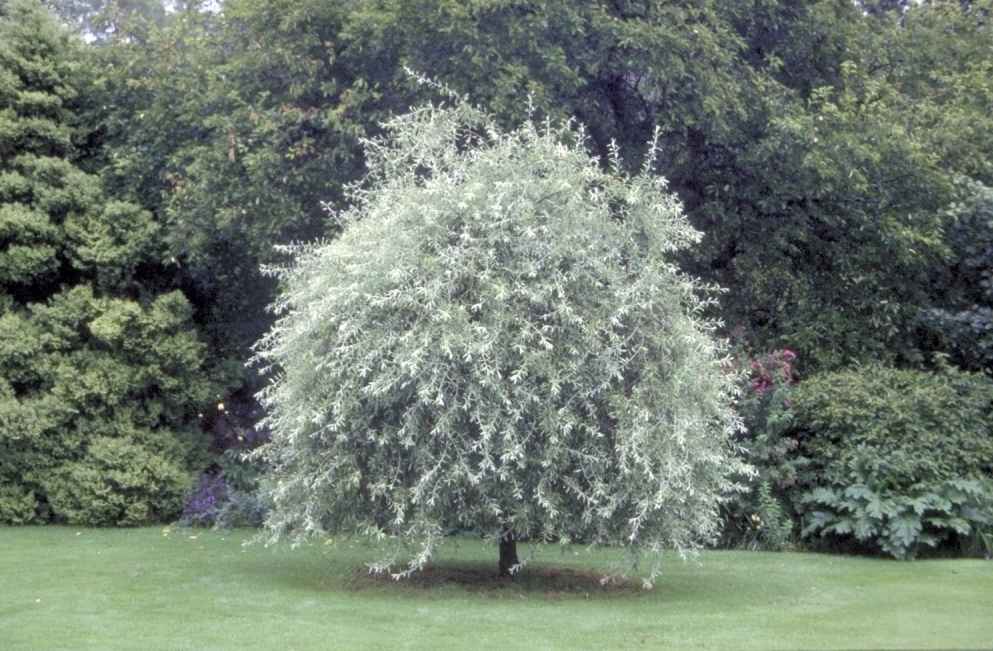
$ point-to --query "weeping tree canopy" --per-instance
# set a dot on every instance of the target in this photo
(497, 344)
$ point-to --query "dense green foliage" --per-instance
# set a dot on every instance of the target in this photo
(784, 128)
(247, 123)
(806, 140)
(925, 427)
(901, 521)
(100, 374)
(962, 320)
(497, 343)
(835, 156)
(898, 458)
(99, 400)
(869, 459)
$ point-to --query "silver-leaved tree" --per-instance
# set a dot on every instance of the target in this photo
(497, 344)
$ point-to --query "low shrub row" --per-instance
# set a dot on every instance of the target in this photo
(869, 459)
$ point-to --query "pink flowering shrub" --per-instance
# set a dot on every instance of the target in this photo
(764, 516)
(769, 371)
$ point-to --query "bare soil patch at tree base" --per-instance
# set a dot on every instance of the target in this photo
(549, 582)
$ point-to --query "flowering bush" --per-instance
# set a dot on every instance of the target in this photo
(763, 516)
(216, 503)
(226, 496)
(770, 372)
(202, 505)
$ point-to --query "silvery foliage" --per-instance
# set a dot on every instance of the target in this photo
(497, 342)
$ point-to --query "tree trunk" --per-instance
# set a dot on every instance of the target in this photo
(508, 554)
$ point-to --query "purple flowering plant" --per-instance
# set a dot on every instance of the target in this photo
(202, 506)
(771, 370)
(226, 495)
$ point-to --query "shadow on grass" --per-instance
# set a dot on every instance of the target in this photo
(480, 579)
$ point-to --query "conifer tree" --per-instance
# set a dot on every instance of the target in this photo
(100, 372)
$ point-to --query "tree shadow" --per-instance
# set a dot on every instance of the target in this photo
(482, 579)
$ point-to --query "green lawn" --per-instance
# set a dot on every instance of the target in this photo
(108, 590)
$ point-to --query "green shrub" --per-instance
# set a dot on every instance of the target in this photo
(962, 322)
(29, 448)
(901, 521)
(763, 516)
(18, 505)
(112, 386)
(896, 458)
(119, 482)
(102, 372)
(927, 426)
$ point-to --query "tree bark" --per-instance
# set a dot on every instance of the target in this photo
(508, 554)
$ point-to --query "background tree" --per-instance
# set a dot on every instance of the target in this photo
(737, 93)
(962, 320)
(806, 139)
(233, 129)
(497, 344)
(100, 20)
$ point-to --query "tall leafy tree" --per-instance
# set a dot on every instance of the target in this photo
(737, 92)
(961, 321)
(98, 20)
(234, 129)
(806, 139)
(497, 343)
